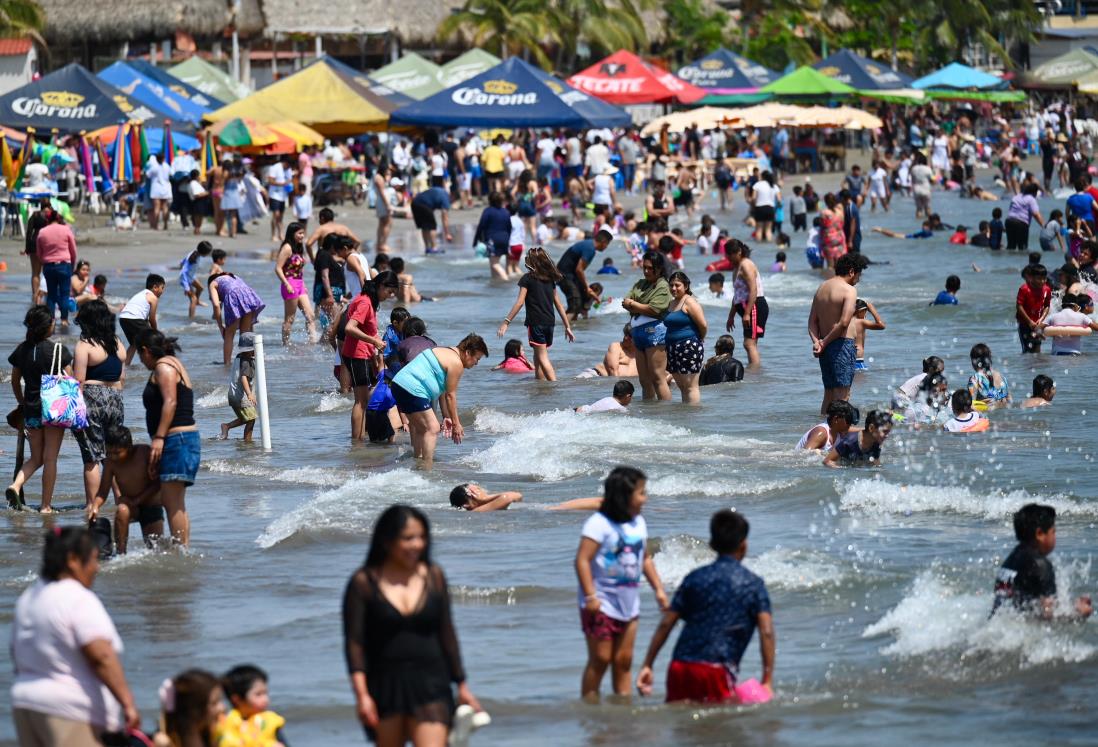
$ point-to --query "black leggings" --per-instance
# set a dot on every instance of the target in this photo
(1017, 234)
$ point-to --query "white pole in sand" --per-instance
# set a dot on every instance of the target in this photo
(261, 394)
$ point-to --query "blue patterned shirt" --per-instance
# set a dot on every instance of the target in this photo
(720, 604)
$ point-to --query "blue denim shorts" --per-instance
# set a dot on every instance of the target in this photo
(649, 335)
(181, 456)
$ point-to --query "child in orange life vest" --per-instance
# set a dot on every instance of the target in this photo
(964, 419)
(249, 723)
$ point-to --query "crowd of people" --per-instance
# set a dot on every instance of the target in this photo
(401, 647)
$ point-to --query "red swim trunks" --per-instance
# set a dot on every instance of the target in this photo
(601, 627)
(700, 682)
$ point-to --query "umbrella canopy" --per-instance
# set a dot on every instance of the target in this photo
(1064, 71)
(210, 80)
(177, 86)
(150, 92)
(411, 75)
(705, 117)
(805, 82)
(725, 72)
(465, 66)
(623, 78)
(958, 77)
(320, 96)
(512, 94)
(367, 82)
(154, 135)
(764, 115)
(240, 132)
(70, 100)
(861, 72)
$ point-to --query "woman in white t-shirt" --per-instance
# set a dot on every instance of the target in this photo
(609, 564)
(766, 194)
(69, 686)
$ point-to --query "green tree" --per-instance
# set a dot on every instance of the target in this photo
(693, 29)
(506, 28)
(603, 26)
(948, 27)
(22, 18)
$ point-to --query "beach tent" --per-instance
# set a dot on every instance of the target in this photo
(725, 72)
(209, 79)
(319, 96)
(150, 92)
(72, 99)
(186, 90)
(368, 82)
(465, 66)
(513, 94)
(411, 75)
(958, 77)
(1063, 71)
(861, 72)
(806, 82)
(705, 117)
(623, 78)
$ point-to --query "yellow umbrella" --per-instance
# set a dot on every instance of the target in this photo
(302, 135)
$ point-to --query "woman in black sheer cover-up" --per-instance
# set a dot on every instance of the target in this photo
(401, 649)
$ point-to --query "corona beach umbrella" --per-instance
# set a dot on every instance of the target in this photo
(861, 72)
(727, 78)
(623, 78)
(152, 93)
(513, 94)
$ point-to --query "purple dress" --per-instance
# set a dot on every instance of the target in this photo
(237, 298)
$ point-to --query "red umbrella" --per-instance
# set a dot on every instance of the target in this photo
(624, 78)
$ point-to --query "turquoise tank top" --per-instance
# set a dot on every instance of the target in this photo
(679, 326)
(423, 377)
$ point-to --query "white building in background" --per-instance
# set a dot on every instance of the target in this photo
(18, 63)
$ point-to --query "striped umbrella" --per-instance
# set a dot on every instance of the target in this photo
(122, 168)
(168, 146)
(135, 151)
(107, 183)
(84, 152)
(24, 158)
(7, 165)
(208, 158)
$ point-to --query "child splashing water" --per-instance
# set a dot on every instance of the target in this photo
(514, 359)
(987, 385)
(538, 293)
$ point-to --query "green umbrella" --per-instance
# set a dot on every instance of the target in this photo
(807, 82)
(465, 66)
(411, 75)
(1063, 71)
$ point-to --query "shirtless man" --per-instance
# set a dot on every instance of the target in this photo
(217, 190)
(327, 227)
(472, 497)
(831, 328)
(621, 358)
(136, 496)
(657, 204)
(406, 291)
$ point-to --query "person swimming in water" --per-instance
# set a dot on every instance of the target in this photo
(861, 448)
(929, 405)
(1044, 389)
(964, 419)
(514, 359)
(617, 402)
(841, 417)
(987, 384)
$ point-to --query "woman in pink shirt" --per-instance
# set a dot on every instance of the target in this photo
(56, 247)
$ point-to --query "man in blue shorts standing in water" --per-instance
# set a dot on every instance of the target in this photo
(830, 325)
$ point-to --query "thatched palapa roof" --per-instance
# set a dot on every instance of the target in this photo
(411, 20)
(69, 21)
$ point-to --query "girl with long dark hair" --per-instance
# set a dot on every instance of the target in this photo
(399, 641)
(290, 269)
(362, 343)
(538, 293)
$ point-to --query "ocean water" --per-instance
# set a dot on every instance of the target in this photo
(880, 579)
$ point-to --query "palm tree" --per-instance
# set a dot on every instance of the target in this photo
(22, 18)
(693, 29)
(947, 27)
(604, 26)
(504, 27)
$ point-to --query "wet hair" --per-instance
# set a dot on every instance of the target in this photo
(99, 281)
(617, 493)
(596, 288)
(981, 357)
(218, 254)
(97, 325)
(473, 343)
(192, 697)
(157, 343)
(325, 215)
(240, 679)
(849, 263)
(513, 349)
(667, 245)
(716, 277)
(726, 345)
(398, 315)
(623, 388)
(291, 230)
(118, 436)
(658, 262)
(953, 284)
(933, 364)
(204, 248)
(1041, 385)
(727, 531)
(779, 257)
(931, 382)
(961, 401)
(542, 267)
(1033, 517)
(414, 327)
(878, 419)
(735, 246)
(459, 496)
(153, 280)
(842, 409)
(396, 264)
(386, 278)
(682, 277)
(61, 542)
(38, 321)
(861, 305)
(387, 530)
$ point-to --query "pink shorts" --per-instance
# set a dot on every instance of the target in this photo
(516, 252)
(299, 289)
(601, 627)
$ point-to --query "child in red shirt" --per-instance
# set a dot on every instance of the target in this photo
(1033, 301)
